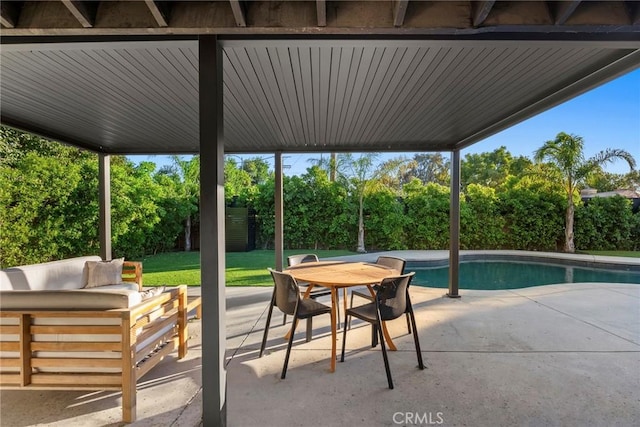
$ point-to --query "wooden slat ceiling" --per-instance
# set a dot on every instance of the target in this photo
(439, 89)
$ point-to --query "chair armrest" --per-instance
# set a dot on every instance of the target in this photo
(132, 272)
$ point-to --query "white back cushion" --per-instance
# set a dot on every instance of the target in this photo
(64, 274)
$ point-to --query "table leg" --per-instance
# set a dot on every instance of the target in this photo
(387, 337)
(334, 297)
(307, 292)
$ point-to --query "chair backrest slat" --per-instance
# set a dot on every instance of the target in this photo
(299, 259)
(287, 291)
(392, 296)
(392, 262)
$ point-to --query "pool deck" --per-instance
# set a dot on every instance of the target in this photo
(564, 355)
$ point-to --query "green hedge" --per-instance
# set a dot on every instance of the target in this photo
(522, 218)
(49, 210)
(607, 224)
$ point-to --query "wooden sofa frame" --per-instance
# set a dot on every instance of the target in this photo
(132, 272)
(125, 359)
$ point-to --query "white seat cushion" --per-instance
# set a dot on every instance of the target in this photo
(80, 299)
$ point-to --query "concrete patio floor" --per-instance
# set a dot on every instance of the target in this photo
(565, 355)
(560, 355)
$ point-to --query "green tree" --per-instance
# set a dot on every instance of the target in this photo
(135, 213)
(386, 221)
(172, 213)
(264, 206)
(330, 210)
(236, 181)
(607, 181)
(631, 180)
(42, 215)
(362, 173)
(566, 152)
(430, 167)
(491, 169)
(482, 226)
(532, 214)
(605, 223)
(427, 207)
(15, 144)
(396, 172)
(188, 174)
(357, 174)
(257, 168)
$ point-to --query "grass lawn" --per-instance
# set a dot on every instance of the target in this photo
(243, 268)
(632, 254)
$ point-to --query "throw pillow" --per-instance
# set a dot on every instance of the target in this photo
(103, 273)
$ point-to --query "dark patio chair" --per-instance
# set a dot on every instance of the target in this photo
(317, 291)
(286, 296)
(300, 258)
(391, 301)
(388, 261)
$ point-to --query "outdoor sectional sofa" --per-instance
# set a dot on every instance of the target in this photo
(57, 334)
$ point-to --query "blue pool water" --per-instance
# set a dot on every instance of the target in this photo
(494, 275)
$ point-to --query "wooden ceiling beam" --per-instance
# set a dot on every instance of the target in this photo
(321, 11)
(360, 18)
(238, 13)
(8, 14)
(481, 11)
(81, 11)
(160, 13)
(633, 9)
(564, 10)
(399, 11)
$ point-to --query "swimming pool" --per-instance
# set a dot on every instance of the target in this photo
(495, 275)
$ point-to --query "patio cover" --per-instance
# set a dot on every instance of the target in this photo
(122, 77)
(154, 77)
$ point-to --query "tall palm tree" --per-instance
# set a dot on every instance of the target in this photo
(357, 172)
(567, 153)
(363, 170)
(189, 174)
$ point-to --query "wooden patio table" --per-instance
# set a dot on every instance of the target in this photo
(340, 275)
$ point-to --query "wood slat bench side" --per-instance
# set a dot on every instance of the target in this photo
(106, 351)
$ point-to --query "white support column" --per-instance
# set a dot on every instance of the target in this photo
(279, 217)
(212, 233)
(104, 202)
(454, 226)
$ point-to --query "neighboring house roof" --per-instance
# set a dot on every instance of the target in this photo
(629, 194)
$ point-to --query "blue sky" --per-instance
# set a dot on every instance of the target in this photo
(605, 117)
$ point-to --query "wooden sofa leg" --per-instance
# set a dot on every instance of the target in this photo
(183, 331)
(129, 402)
(128, 372)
